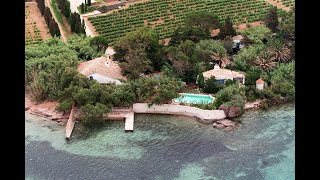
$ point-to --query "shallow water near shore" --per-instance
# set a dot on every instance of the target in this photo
(165, 147)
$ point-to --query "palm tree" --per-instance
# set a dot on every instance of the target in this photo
(265, 61)
(222, 60)
(279, 51)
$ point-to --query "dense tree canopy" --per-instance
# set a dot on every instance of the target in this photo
(202, 19)
(138, 52)
(99, 41)
(257, 34)
(85, 48)
(287, 24)
(283, 80)
(198, 26)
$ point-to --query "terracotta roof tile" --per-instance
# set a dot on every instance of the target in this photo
(222, 72)
(101, 66)
(259, 81)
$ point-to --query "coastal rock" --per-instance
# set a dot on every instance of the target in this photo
(234, 111)
(218, 126)
(231, 111)
(228, 129)
(227, 123)
(225, 109)
(206, 121)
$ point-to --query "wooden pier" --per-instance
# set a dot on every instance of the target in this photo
(115, 114)
(70, 123)
(128, 127)
(123, 114)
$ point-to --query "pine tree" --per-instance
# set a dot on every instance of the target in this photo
(271, 19)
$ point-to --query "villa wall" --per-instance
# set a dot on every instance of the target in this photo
(179, 110)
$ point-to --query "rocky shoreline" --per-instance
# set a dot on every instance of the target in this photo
(47, 109)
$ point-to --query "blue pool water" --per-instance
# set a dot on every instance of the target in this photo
(194, 98)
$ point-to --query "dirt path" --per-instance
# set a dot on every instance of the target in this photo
(278, 4)
(253, 24)
(89, 26)
(35, 16)
(64, 34)
(67, 27)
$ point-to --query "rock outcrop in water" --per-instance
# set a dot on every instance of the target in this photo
(225, 124)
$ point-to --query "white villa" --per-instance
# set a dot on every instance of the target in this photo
(222, 75)
(103, 70)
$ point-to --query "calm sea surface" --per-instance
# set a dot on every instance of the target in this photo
(164, 147)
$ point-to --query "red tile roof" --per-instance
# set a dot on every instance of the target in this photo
(101, 66)
(259, 81)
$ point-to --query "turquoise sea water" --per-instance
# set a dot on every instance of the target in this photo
(164, 147)
(194, 99)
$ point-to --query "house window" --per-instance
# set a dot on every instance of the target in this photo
(238, 79)
(220, 81)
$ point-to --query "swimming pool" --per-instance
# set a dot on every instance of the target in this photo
(194, 98)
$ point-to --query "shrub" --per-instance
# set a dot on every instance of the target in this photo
(94, 112)
(65, 105)
(229, 82)
(257, 34)
(283, 80)
(200, 80)
(210, 86)
(205, 106)
(226, 94)
(236, 101)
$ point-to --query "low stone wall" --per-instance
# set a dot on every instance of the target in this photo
(179, 110)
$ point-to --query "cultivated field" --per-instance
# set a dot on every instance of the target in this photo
(36, 29)
(165, 15)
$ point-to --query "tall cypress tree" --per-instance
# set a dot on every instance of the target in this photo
(82, 8)
(67, 10)
(83, 27)
(227, 29)
(271, 19)
(72, 21)
(41, 6)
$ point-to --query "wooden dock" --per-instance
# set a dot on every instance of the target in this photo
(70, 123)
(128, 127)
(115, 114)
(123, 114)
